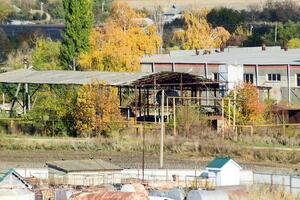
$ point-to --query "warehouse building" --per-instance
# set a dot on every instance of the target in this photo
(275, 71)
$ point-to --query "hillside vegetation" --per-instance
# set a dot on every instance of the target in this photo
(237, 4)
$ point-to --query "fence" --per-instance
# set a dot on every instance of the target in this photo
(289, 182)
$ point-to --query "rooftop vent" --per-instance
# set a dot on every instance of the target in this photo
(222, 47)
(206, 52)
(197, 52)
(263, 47)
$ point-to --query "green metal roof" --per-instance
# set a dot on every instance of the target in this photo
(218, 162)
(3, 174)
(82, 165)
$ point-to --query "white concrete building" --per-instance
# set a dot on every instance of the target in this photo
(227, 171)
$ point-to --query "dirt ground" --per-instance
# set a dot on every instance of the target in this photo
(38, 158)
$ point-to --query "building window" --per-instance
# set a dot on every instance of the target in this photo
(298, 80)
(248, 78)
(274, 77)
(216, 76)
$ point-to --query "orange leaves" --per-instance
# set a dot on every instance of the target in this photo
(248, 104)
(198, 33)
(95, 110)
(119, 45)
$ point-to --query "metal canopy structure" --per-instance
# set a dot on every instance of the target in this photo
(145, 86)
(61, 77)
(175, 80)
(119, 79)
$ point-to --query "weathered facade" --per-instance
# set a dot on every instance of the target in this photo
(276, 72)
(90, 172)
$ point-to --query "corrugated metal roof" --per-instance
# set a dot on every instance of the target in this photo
(108, 78)
(70, 77)
(246, 55)
(218, 162)
(82, 165)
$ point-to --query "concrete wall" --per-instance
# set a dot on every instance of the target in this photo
(40, 173)
(279, 89)
(84, 178)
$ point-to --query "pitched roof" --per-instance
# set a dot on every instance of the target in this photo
(70, 77)
(232, 55)
(82, 165)
(65, 77)
(4, 174)
(218, 162)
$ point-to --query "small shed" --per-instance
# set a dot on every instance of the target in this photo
(90, 172)
(13, 186)
(227, 171)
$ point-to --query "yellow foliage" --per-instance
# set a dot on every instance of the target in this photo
(96, 109)
(119, 45)
(198, 33)
(294, 43)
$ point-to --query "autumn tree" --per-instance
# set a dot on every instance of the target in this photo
(78, 21)
(96, 109)
(119, 45)
(198, 33)
(249, 109)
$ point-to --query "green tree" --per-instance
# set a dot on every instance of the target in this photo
(101, 10)
(285, 32)
(5, 45)
(5, 9)
(225, 17)
(78, 21)
(45, 55)
(51, 110)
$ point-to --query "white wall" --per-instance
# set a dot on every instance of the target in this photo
(40, 173)
(235, 75)
(230, 174)
(162, 174)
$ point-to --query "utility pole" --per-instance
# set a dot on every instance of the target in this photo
(162, 129)
(275, 36)
(234, 115)
(251, 29)
(26, 95)
(143, 161)
(74, 64)
(102, 6)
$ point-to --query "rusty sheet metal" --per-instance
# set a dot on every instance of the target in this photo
(135, 187)
(105, 195)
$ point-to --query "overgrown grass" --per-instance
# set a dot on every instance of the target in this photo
(197, 146)
(265, 193)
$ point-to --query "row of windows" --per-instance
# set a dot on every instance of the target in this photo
(249, 78)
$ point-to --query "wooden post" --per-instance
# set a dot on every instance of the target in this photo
(162, 130)
(167, 109)
(174, 118)
(234, 116)
(229, 112)
(143, 159)
(223, 119)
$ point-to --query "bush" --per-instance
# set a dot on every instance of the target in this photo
(294, 43)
